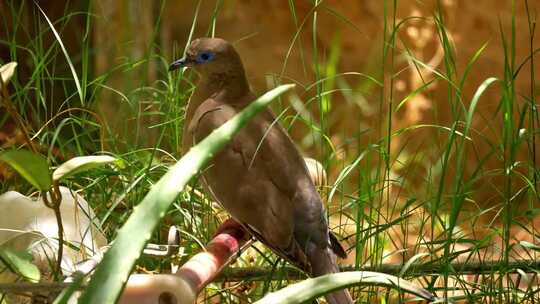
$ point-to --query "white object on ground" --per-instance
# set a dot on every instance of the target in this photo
(27, 224)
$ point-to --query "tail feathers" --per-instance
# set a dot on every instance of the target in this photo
(336, 246)
(323, 261)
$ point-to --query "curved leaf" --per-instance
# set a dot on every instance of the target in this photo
(20, 262)
(313, 288)
(6, 72)
(529, 245)
(80, 164)
(112, 273)
(32, 167)
(410, 262)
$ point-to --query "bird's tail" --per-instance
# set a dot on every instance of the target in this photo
(323, 261)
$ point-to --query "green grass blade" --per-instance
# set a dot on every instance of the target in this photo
(459, 197)
(112, 273)
(68, 59)
(479, 92)
(471, 64)
(313, 288)
(419, 90)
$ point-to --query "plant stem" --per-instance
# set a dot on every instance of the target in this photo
(57, 202)
(54, 204)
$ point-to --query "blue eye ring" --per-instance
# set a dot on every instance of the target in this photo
(205, 57)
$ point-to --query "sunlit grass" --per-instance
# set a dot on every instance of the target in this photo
(390, 200)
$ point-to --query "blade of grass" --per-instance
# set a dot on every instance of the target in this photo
(313, 288)
(68, 59)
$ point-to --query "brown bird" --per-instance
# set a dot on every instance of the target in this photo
(260, 177)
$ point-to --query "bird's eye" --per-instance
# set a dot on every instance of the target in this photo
(205, 57)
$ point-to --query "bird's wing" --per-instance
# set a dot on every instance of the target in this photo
(239, 179)
(289, 173)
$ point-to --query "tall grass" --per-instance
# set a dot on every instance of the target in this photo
(391, 202)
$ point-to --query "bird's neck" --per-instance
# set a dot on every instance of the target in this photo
(232, 87)
(227, 86)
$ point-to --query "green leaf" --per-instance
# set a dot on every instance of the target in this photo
(112, 273)
(310, 289)
(80, 164)
(20, 262)
(32, 167)
(529, 245)
(7, 71)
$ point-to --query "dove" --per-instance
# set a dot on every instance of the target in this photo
(260, 177)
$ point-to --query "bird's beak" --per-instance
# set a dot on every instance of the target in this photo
(180, 63)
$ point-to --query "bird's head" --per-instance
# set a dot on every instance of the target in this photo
(208, 56)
